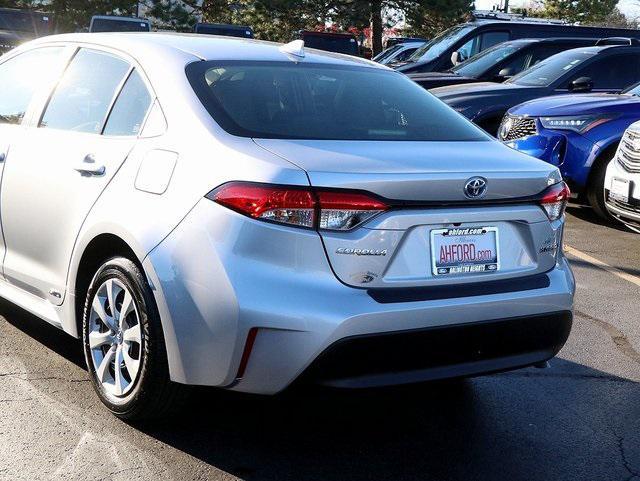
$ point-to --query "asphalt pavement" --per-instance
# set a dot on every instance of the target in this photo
(577, 420)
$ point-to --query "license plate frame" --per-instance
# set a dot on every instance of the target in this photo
(620, 189)
(464, 235)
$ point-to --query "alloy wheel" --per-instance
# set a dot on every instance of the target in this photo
(115, 338)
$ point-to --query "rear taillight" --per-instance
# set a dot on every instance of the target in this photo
(339, 210)
(554, 200)
(278, 204)
(346, 210)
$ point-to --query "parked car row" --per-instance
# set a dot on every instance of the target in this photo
(461, 42)
(565, 100)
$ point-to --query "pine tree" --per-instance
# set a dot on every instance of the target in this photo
(583, 11)
(427, 18)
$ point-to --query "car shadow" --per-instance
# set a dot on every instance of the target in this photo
(46, 334)
(499, 427)
(565, 423)
(587, 214)
(587, 265)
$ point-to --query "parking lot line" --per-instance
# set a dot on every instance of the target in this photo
(602, 265)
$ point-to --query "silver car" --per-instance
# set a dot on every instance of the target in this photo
(241, 214)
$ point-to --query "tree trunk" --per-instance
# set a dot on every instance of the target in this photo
(376, 26)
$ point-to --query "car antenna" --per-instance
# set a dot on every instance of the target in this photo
(295, 48)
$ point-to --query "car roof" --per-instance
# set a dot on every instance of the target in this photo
(153, 45)
(602, 48)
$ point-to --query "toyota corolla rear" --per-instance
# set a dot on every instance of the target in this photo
(411, 247)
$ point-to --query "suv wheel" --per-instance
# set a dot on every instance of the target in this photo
(595, 193)
(124, 344)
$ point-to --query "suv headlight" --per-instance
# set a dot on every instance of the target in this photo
(578, 124)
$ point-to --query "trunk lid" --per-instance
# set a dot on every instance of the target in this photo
(415, 171)
(397, 248)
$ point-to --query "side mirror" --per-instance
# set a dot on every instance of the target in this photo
(455, 58)
(582, 84)
(504, 74)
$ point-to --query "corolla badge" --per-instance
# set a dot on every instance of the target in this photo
(475, 188)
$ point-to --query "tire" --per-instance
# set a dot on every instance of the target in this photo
(141, 389)
(595, 192)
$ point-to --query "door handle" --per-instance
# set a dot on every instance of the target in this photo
(89, 167)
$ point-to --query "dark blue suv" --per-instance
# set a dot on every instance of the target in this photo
(578, 133)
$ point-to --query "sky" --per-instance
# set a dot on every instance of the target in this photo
(631, 8)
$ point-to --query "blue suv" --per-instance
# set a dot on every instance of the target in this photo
(577, 133)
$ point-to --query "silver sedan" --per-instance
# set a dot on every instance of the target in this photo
(242, 214)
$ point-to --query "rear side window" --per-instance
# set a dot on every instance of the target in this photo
(85, 93)
(21, 76)
(313, 101)
(130, 108)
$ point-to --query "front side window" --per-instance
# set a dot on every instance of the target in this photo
(21, 76)
(554, 68)
(130, 108)
(312, 101)
(83, 96)
(613, 72)
(469, 49)
(477, 66)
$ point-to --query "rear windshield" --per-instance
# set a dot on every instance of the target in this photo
(552, 69)
(285, 100)
(114, 25)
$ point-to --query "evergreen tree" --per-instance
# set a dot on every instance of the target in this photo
(427, 18)
(583, 11)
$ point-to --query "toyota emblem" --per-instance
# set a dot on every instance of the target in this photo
(475, 188)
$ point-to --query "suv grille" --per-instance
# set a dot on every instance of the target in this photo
(629, 153)
(514, 128)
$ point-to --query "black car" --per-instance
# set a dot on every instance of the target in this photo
(346, 43)
(17, 26)
(500, 62)
(224, 29)
(398, 40)
(608, 68)
(117, 23)
(463, 41)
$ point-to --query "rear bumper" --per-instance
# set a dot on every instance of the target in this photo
(220, 276)
(441, 352)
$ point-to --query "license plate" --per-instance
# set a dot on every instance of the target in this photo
(464, 251)
(620, 189)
